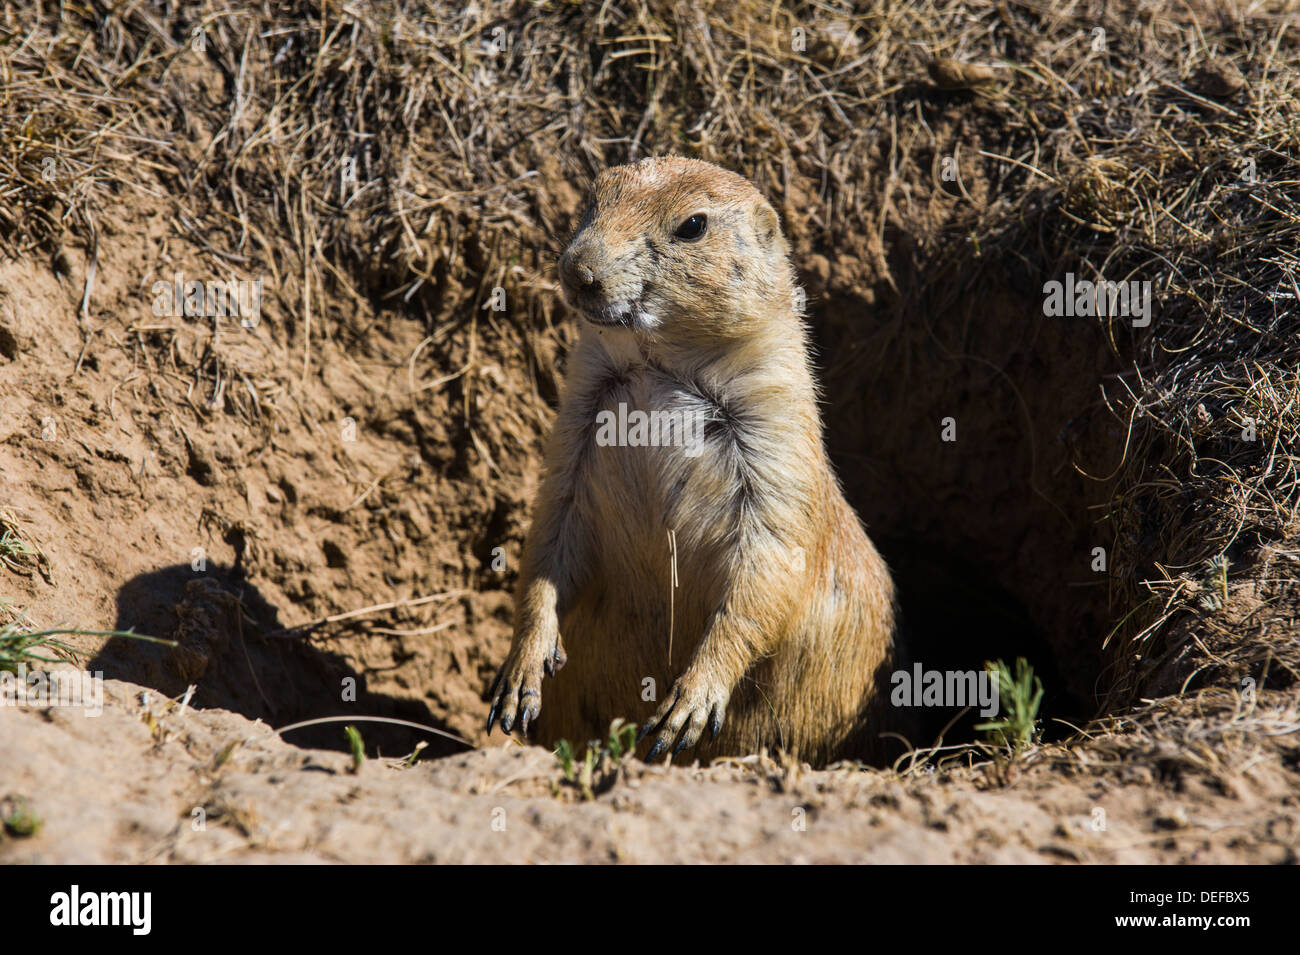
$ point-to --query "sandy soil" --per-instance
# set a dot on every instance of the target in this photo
(151, 782)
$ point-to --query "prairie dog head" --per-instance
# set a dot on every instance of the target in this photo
(678, 249)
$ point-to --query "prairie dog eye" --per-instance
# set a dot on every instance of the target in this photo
(692, 228)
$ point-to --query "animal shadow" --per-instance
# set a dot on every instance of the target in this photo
(231, 645)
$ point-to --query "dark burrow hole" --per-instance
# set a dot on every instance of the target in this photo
(991, 535)
(955, 617)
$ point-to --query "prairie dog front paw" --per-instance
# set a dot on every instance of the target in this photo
(517, 690)
(692, 704)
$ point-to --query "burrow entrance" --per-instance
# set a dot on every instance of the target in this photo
(958, 419)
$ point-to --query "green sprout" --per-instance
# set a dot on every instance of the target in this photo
(1019, 697)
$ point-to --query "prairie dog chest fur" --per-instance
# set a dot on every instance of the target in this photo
(676, 445)
(692, 558)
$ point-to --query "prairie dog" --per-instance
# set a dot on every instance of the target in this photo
(731, 542)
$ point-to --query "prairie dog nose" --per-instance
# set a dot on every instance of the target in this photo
(575, 272)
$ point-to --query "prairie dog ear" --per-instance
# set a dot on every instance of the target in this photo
(768, 226)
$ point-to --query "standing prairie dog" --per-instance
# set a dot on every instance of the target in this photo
(727, 542)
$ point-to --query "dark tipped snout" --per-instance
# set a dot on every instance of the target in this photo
(576, 270)
(592, 286)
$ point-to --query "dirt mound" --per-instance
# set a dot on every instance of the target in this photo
(202, 786)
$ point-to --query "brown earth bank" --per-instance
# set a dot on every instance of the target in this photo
(323, 509)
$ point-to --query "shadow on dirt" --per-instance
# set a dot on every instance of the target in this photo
(233, 648)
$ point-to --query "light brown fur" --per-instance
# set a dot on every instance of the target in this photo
(783, 618)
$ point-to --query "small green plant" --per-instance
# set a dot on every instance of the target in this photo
(622, 739)
(567, 762)
(13, 547)
(1019, 696)
(19, 646)
(357, 747)
(599, 762)
(17, 818)
(19, 554)
(1214, 584)
(409, 761)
